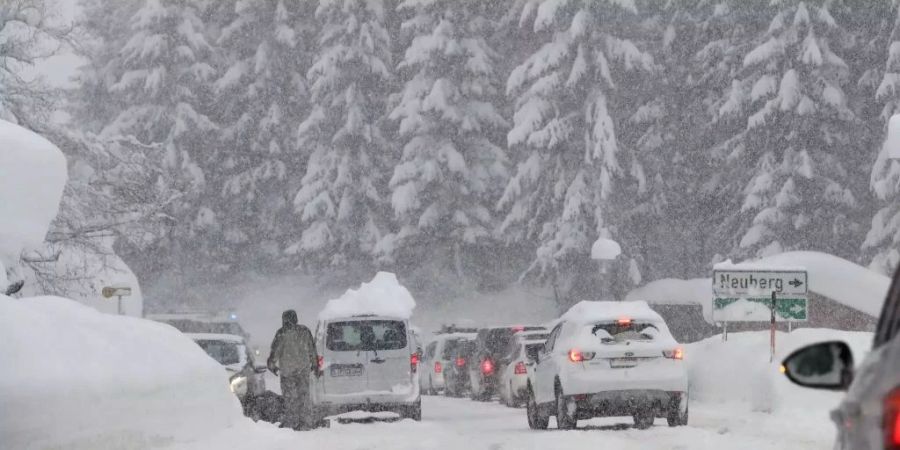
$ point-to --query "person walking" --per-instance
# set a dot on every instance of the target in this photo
(292, 358)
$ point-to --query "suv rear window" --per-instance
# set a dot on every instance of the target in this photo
(613, 332)
(495, 341)
(450, 348)
(363, 335)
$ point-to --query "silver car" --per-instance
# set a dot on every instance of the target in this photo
(869, 416)
(245, 377)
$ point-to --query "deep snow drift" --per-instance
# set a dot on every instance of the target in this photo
(383, 296)
(32, 178)
(77, 378)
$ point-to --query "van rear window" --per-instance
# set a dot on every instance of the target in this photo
(366, 335)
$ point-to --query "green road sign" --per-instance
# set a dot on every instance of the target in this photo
(759, 309)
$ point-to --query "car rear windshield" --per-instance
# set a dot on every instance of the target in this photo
(226, 353)
(450, 348)
(614, 332)
(366, 335)
(495, 342)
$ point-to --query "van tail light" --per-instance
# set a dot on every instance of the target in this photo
(520, 368)
(487, 366)
(438, 368)
(678, 353)
(460, 362)
(576, 355)
(413, 362)
(892, 420)
(320, 363)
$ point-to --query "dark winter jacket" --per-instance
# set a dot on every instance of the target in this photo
(293, 349)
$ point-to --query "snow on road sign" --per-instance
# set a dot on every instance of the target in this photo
(746, 295)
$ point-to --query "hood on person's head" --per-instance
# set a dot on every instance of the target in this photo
(289, 317)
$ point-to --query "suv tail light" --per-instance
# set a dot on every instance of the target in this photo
(413, 362)
(520, 368)
(438, 368)
(460, 362)
(892, 420)
(487, 366)
(576, 355)
(678, 353)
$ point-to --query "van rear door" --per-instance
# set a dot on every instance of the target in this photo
(389, 356)
(346, 358)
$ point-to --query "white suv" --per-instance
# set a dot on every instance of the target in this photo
(516, 365)
(368, 363)
(609, 359)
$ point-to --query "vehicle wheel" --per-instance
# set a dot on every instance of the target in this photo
(537, 419)
(566, 411)
(643, 420)
(413, 412)
(678, 416)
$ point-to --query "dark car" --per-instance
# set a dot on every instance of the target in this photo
(456, 375)
(869, 416)
(491, 345)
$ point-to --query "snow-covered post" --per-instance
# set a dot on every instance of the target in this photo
(605, 251)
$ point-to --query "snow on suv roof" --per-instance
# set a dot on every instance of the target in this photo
(588, 311)
(216, 337)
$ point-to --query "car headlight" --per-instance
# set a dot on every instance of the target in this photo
(239, 385)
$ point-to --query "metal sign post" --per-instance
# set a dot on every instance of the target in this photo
(772, 330)
(116, 291)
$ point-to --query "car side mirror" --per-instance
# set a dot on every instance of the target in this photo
(826, 365)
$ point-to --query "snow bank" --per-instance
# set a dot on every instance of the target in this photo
(32, 178)
(829, 276)
(738, 371)
(383, 296)
(77, 378)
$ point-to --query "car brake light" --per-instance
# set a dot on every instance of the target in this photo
(624, 321)
(520, 368)
(413, 362)
(438, 368)
(892, 420)
(678, 353)
(487, 366)
(460, 362)
(320, 363)
(580, 356)
(518, 328)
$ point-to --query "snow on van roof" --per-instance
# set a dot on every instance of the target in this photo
(383, 296)
(592, 311)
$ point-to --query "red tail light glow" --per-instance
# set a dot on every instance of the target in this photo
(518, 328)
(678, 353)
(413, 362)
(438, 368)
(460, 362)
(320, 363)
(487, 366)
(520, 369)
(892, 420)
(575, 356)
(624, 321)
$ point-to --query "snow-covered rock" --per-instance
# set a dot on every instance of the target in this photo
(77, 378)
(383, 296)
(32, 178)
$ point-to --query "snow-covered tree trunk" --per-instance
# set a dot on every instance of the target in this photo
(340, 202)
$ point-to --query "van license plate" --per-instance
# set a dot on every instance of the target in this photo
(346, 371)
(622, 363)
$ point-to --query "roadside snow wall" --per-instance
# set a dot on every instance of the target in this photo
(76, 378)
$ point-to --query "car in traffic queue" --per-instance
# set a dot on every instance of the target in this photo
(491, 345)
(245, 378)
(868, 418)
(367, 363)
(607, 358)
(439, 358)
(456, 373)
(516, 366)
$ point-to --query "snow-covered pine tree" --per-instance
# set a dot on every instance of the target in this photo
(162, 76)
(882, 244)
(564, 138)
(797, 148)
(261, 97)
(340, 203)
(452, 169)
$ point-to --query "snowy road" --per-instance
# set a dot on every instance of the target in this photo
(463, 424)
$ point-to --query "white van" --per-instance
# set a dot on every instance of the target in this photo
(368, 363)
